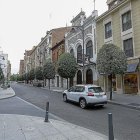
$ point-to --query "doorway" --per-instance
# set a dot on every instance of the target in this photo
(79, 77)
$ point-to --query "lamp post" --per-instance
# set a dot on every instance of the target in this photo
(82, 30)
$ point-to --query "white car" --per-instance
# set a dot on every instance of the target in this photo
(86, 95)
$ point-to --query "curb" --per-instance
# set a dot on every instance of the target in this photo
(10, 95)
(123, 105)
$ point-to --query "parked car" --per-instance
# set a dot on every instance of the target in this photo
(85, 95)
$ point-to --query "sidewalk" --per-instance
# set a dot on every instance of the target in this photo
(19, 127)
(6, 93)
(23, 127)
(126, 100)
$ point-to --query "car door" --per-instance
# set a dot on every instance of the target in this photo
(70, 93)
(78, 93)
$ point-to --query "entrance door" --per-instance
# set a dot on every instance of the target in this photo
(57, 81)
(71, 82)
(79, 77)
(89, 77)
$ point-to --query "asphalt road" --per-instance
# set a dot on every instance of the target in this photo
(126, 122)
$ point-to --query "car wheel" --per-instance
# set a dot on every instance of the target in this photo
(65, 98)
(83, 103)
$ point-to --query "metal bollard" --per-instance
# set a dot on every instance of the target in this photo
(47, 112)
(110, 126)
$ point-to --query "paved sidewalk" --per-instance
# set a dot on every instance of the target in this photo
(18, 127)
(6, 93)
(126, 100)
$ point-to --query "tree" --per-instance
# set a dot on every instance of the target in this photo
(1, 74)
(111, 60)
(67, 66)
(32, 74)
(49, 70)
(39, 73)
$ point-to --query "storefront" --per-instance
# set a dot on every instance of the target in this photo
(131, 80)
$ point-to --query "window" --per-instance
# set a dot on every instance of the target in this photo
(71, 51)
(79, 54)
(63, 49)
(80, 89)
(126, 21)
(113, 4)
(108, 30)
(128, 47)
(72, 89)
(95, 89)
(89, 49)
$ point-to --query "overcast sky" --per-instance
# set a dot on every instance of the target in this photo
(24, 22)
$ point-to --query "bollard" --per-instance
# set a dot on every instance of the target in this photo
(110, 126)
(47, 112)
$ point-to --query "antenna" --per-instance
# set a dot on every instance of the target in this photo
(94, 4)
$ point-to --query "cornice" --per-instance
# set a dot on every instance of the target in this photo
(116, 7)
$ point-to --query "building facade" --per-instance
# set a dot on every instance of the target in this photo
(83, 44)
(21, 67)
(3, 63)
(120, 26)
(44, 47)
(27, 60)
(57, 51)
(8, 70)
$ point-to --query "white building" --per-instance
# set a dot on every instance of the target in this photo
(74, 44)
(3, 62)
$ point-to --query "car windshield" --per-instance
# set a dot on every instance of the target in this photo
(95, 89)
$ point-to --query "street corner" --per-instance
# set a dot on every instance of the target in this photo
(6, 93)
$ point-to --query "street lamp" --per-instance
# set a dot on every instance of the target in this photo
(82, 30)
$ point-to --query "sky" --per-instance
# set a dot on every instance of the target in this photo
(24, 22)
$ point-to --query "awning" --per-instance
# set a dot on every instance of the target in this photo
(131, 68)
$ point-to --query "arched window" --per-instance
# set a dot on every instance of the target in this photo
(89, 49)
(71, 51)
(89, 77)
(79, 54)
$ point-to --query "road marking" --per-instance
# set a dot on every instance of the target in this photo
(54, 116)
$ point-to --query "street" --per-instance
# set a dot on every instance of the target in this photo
(126, 121)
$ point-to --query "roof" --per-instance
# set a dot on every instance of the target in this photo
(88, 85)
(78, 16)
(33, 49)
(29, 52)
(58, 43)
(58, 34)
(120, 3)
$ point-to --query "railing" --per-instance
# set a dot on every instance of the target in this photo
(127, 25)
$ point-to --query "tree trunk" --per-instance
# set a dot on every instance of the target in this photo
(49, 83)
(67, 83)
(111, 89)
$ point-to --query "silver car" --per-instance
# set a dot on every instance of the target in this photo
(85, 95)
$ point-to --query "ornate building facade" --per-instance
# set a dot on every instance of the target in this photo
(74, 44)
